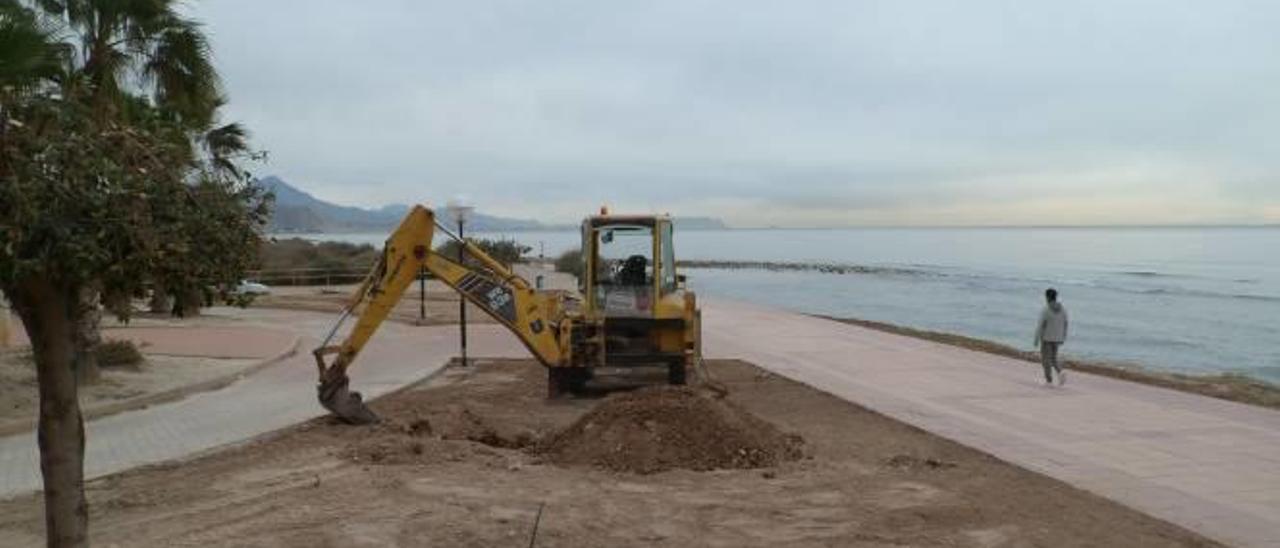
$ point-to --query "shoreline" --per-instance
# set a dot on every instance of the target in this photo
(1224, 386)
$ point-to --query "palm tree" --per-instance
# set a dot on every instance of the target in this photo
(123, 47)
(117, 59)
(30, 58)
(29, 54)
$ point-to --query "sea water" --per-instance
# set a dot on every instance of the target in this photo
(1194, 299)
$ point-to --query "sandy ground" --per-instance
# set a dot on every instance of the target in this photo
(19, 397)
(866, 481)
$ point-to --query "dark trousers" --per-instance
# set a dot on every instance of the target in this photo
(1049, 359)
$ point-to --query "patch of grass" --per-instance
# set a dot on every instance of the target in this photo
(118, 353)
(507, 252)
(1226, 386)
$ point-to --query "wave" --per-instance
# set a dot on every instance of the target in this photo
(1151, 274)
(1148, 274)
(933, 271)
(824, 268)
(1207, 294)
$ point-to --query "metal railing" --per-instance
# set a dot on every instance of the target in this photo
(308, 276)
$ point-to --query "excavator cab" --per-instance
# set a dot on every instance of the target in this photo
(632, 291)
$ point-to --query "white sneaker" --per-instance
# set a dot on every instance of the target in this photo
(1062, 377)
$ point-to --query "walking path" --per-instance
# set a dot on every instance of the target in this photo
(1209, 465)
(275, 397)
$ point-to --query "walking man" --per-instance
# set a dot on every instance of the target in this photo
(1051, 332)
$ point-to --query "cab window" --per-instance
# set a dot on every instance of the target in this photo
(624, 276)
(668, 264)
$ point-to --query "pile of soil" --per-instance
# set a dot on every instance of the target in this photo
(662, 428)
(419, 436)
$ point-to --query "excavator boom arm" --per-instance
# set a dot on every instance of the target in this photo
(508, 298)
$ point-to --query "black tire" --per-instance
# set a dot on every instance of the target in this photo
(676, 374)
(564, 381)
(555, 383)
(577, 380)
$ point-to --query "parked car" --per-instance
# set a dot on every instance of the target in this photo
(251, 288)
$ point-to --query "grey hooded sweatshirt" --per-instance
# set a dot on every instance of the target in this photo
(1053, 324)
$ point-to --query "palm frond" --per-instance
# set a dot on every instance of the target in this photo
(181, 68)
(29, 51)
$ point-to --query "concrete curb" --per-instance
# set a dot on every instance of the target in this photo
(19, 426)
(277, 433)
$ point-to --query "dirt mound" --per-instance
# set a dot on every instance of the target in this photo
(423, 436)
(663, 428)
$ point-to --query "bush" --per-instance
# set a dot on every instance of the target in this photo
(571, 262)
(507, 252)
(298, 253)
(118, 353)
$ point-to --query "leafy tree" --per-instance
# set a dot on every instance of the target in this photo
(114, 177)
(96, 204)
(507, 252)
(134, 61)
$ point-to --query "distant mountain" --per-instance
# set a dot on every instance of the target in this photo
(297, 211)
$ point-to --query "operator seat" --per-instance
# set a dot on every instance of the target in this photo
(632, 272)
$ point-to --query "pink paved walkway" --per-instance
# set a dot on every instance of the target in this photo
(1209, 465)
(203, 340)
(207, 341)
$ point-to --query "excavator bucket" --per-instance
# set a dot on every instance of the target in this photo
(339, 399)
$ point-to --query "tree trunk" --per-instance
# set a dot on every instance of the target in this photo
(187, 304)
(118, 305)
(160, 302)
(88, 334)
(49, 314)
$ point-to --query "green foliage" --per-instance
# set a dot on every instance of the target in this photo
(28, 53)
(571, 262)
(297, 253)
(85, 202)
(238, 300)
(105, 188)
(507, 252)
(118, 353)
(145, 42)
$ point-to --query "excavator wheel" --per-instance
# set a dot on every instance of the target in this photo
(677, 375)
(566, 381)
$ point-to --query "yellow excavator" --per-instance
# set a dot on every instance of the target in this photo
(631, 309)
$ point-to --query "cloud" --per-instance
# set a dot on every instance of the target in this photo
(812, 112)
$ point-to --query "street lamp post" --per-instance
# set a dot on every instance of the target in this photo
(422, 295)
(460, 211)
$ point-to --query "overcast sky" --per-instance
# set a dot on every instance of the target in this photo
(797, 113)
